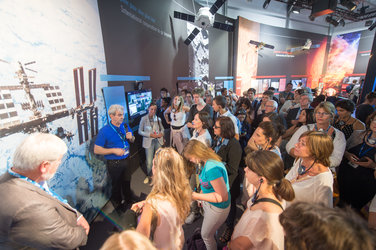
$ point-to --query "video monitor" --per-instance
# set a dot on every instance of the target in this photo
(138, 102)
(295, 83)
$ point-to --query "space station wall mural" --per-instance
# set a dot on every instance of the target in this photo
(50, 64)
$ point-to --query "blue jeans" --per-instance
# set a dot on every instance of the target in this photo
(154, 146)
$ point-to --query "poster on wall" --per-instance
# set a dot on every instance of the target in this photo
(49, 83)
(341, 58)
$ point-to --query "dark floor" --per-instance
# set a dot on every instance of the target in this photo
(108, 219)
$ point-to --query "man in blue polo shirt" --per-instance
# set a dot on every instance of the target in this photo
(113, 142)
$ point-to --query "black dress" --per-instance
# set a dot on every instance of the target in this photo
(357, 186)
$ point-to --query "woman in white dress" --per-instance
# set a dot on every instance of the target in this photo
(179, 130)
(259, 226)
(310, 175)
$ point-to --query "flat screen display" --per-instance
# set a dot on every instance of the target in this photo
(138, 102)
(295, 83)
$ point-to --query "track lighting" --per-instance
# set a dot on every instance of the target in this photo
(266, 4)
(370, 28)
(332, 21)
(342, 22)
(350, 5)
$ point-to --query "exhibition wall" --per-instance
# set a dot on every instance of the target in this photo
(59, 55)
(320, 61)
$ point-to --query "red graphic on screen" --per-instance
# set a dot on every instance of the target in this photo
(341, 58)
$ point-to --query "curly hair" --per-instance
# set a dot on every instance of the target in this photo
(170, 181)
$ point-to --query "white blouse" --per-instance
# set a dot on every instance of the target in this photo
(313, 189)
(204, 138)
(261, 228)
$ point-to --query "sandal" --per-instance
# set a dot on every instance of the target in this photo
(226, 235)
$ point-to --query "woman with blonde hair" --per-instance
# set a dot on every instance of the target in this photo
(178, 117)
(259, 226)
(127, 240)
(168, 202)
(214, 195)
(324, 116)
(310, 175)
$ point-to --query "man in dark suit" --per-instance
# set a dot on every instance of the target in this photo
(293, 114)
(31, 215)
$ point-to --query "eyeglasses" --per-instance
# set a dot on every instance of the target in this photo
(215, 126)
(322, 113)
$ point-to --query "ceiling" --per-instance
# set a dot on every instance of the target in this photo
(280, 9)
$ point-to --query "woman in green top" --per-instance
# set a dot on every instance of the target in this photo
(214, 195)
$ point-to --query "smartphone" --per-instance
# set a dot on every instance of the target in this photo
(363, 159)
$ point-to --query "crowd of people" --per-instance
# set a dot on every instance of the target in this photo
(286, 156)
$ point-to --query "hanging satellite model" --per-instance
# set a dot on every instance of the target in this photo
(307, 46)
(204, 19)
(260, 46)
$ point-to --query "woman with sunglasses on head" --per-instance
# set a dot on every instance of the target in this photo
(356, 174)
(310, 175)
(179, 131)
(167, 205)
(324, 115)
(229, 149)
(214, 196)
(201, 122)
(259, 226)
(344, 121)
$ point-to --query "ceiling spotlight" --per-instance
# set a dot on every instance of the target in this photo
(266, 4)
(372, 26)
(332, 21)
(362, 11)
(342, 22)
(350, 5)
(296, 10)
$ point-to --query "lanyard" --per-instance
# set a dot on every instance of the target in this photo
(322, 130)
(119, 134)
(53, 194)
(361, 152)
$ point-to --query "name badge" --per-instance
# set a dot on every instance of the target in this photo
(353, 165)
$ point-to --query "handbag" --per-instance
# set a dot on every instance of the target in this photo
(195, 242)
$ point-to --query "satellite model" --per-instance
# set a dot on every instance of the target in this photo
(204, 19)
(307, 46)
(261, 45)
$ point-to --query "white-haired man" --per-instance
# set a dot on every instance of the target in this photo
(31, 215)
(271, 106)
(113, 142)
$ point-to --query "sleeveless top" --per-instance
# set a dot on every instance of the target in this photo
(178, 118)
(346, 129)
(169, 234)
(262, 228)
